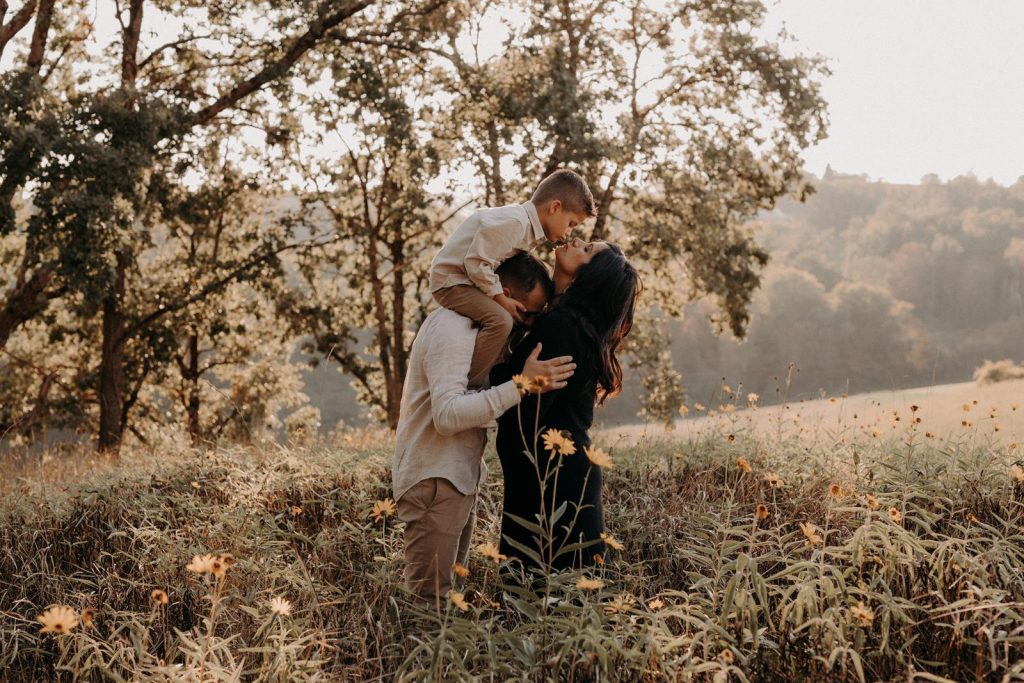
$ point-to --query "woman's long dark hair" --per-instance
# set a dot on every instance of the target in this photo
(602, 299)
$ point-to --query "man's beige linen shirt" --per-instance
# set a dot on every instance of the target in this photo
(440, 430)
(484, 240)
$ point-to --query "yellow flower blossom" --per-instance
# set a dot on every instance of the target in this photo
(1017, 473)
(383, 509)
(862, 614)
(762, 511)
(201, 564)
(683, 410)
(598, 457)
(871, 502)
(523, 384)
(58, 619)
(280, 606)
(460, 570)
(743, 464)
(895, 515)
(589, 584)
(87, 616)
(773, 480)
(459, 600)
(490, 551)
(611, 541)
(558, 443)
(655, 605)
(811, 534)
(159, 597)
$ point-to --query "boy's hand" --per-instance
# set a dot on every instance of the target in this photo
(555, 371)
(514, 308)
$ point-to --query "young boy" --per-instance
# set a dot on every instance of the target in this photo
(462, 275)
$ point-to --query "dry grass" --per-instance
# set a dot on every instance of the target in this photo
(723, 575)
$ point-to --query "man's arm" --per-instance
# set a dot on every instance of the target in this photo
(446, 365)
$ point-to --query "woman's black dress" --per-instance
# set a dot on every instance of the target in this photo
(570, 410)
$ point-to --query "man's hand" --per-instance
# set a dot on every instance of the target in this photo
(554, 371)
(514, 308)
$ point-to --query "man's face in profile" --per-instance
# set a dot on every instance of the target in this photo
(535, 301)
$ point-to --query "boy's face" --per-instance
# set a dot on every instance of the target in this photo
(558, 221)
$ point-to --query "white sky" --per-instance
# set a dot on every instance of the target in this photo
(918, 86)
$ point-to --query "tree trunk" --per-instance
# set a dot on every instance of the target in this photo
(497, 184)
(192, 379)
(607, 197)
(111, 379)
(27, 300)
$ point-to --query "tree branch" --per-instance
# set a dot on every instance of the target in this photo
(18, 21)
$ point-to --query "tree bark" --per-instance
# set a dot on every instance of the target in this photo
(37, 50)
(111, 379)
(27, 300)
(607, 197)
(192, 379)
(18, 21)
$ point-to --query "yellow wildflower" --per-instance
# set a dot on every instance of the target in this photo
(159, 597)
(871, 501)
(556, 442)
(811, 534)
(523, 384)
(655, 605)
(752, 399)
(773, 480)
(58, 619)
(620, 603)
(862, 614)
(460, 570)
(726, 656)
(280, 606)
(459, 600)
(611, 541)
(837, 491)
(1017, 473)
(87, 616)
(490, 551)
(383, 509)
(743, 464)
(683, 410)
(598, 457)
(201, 564)
(762, 511)
(699, 407)
(895, 515)
(589, 584)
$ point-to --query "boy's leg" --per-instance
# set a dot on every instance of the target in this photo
(495, 326)
(436, 515)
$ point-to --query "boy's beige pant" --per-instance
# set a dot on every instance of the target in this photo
(439, 522)
(495, 326)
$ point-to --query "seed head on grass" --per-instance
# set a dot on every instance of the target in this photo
(59, 619)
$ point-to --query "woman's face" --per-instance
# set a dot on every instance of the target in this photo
(574, 253)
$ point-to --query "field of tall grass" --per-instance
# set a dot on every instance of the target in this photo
(744, 557)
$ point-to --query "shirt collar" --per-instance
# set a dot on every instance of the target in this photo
(538, 229)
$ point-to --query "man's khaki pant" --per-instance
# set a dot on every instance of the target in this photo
(439, 523)
(495, 326)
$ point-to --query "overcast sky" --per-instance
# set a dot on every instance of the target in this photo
(918, 86)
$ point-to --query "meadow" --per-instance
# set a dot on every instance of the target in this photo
(746, 555)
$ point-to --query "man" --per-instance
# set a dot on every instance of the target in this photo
(438, 468)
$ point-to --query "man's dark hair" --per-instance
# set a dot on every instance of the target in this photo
(524, 271)
(569, 188)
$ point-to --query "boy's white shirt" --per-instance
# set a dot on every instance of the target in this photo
(485, 239)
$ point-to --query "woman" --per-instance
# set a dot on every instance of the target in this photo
(596, 290)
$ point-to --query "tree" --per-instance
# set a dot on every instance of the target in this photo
(384, 222)
(90, 170)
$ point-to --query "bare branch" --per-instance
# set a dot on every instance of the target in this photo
(18, 21)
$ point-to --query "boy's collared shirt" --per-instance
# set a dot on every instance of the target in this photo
(483, 241)
(441, 425)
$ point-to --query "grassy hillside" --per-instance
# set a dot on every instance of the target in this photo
(756, 557)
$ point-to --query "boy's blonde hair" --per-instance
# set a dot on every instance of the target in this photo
(569, 188)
